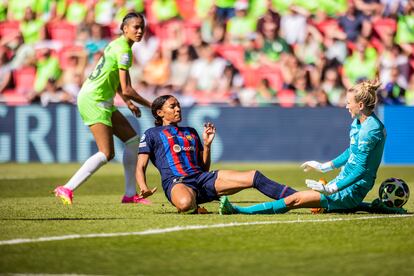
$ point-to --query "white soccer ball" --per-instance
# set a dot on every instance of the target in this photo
(394, 192)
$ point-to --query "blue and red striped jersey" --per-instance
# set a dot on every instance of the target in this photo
(173, 150)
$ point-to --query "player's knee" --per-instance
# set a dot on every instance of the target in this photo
(184, 204)
(109, 155)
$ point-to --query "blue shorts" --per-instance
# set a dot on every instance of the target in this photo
(202, 184)
(347, 198)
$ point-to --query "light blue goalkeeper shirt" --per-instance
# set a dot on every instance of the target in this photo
(361, 160)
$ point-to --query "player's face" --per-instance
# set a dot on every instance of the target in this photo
(170, 112)
(134, 29)
(354, 107)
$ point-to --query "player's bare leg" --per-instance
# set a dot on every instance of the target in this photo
(183, 198)
(303, 199)
(229, 182)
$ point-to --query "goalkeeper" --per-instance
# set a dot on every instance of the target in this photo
(359, 164)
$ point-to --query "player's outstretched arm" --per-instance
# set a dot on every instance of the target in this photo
(142, 164)
(315, 165)
(209, 133)
(128, 91)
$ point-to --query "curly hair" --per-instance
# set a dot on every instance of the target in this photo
(157, 104)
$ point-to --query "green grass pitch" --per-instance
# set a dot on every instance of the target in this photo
(295, 243)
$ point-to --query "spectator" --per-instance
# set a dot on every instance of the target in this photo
(16, 9)
(96, 41)
(293, 25)
(405, 25)
(157, 71)
(271, 17)
(409, 93)
(310, 51)
(5, 76)
(76, 12)
(361, 64)
(180, 67)
(265, 94)
(225, 9)
(390, 58)
(393, 93)
(206, 70)
(273, 45)
(164, 10)
(104, 11)
(32, 28)
(47, 68)
(54, 94)
(353, 23)
(240, 27)
(331, 84)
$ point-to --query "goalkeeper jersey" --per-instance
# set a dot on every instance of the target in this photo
(361, 160)
(103, 82)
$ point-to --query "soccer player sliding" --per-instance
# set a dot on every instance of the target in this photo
(359, 164)
(183, 160)
(96, 107)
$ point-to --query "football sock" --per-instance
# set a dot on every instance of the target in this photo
(273, 207)
(88, 168)
(129, 161)
(271, 188)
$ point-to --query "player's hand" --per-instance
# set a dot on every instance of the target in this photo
(209, 133)
(147, 192)
(315, 165)
(134, 109)
(321, 188)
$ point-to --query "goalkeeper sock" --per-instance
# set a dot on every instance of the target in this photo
(88, 168)
(273, 207)
(129, 161)
(271, 188)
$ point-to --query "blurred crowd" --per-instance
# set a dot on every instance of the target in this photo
(229, 52)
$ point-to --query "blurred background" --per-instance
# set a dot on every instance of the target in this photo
(228, 52)
(279, 58)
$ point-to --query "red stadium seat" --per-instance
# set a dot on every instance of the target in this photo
(273, 75)
(286, 98)
(62, 31)
(9, 27)
(65, 53)
(187, 11)
(11, 97)
(24, 79)
(384, 26)
(232, 53)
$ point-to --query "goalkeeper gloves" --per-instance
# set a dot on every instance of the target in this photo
(322, 188)
(315, 165)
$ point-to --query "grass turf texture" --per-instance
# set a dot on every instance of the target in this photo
(29, 210)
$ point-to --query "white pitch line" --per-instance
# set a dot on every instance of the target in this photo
(188, 227)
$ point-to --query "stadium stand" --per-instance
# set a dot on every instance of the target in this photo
(294, 71)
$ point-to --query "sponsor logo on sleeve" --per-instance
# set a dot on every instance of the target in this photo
(125, 59)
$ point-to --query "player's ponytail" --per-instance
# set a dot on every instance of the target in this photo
(366, 92)
(157, 104)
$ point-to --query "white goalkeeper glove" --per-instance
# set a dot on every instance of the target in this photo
(315, 165)
(322, 188)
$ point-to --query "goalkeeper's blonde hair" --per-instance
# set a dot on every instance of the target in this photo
(366, 92)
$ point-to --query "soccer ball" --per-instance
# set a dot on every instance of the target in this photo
(394, 192)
